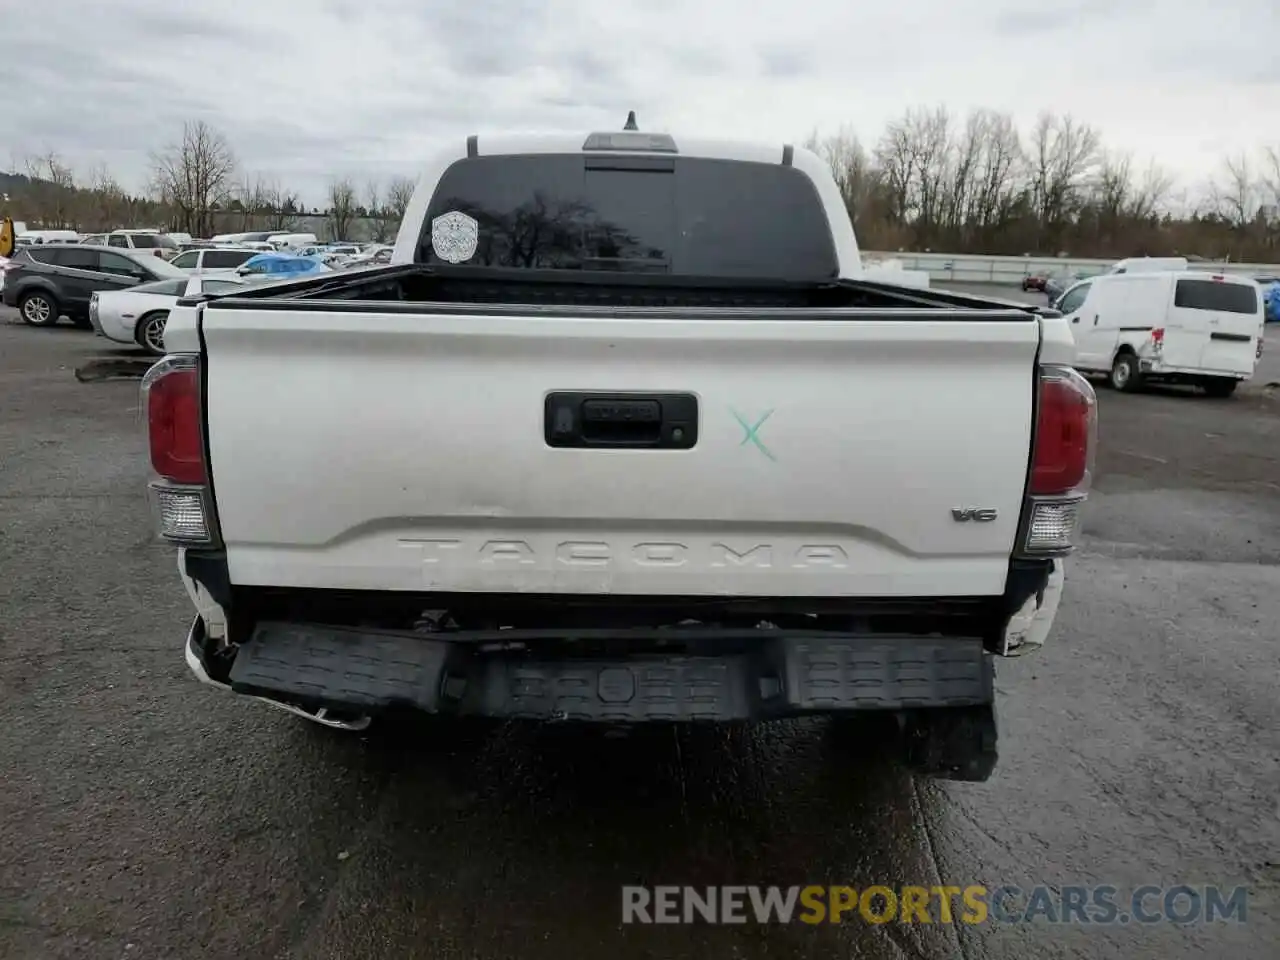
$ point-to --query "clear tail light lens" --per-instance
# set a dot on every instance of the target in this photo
(180, 494)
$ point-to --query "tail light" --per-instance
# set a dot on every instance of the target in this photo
(171, 397)
(1062, 462)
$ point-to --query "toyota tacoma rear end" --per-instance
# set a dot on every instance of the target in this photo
(621, 435)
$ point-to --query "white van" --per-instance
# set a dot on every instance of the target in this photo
(282, 240)
(47, 236)
(1177, 326)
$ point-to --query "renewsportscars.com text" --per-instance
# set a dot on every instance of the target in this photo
(973, 904)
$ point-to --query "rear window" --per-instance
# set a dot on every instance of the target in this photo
(152, 241)
(220, 286)
(226, 258)
(1216, 295)
(165, 288)
(72, 257)
(680, 215)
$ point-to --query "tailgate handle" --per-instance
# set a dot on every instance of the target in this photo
(662, 421)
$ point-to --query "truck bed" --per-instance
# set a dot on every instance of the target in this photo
(438, 287)
(393, 431)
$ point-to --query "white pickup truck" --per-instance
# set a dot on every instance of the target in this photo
(621, 435)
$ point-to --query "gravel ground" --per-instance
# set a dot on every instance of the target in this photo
(144, 816)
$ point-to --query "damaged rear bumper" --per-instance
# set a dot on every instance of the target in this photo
(311, 668)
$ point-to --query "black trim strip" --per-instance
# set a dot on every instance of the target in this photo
(473, 145)
(788, 155)
(885, 313)
(212, 572)
(354, 295)
(638, 164)
(1233, 337)
(1134, 329)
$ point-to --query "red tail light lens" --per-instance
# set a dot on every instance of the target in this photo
(171, 391)
(1065, 428)
(1157, 336)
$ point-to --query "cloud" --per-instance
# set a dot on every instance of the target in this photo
(1029, 21)
(784, 61)
(306, 89)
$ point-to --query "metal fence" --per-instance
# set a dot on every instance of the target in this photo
(970, 268)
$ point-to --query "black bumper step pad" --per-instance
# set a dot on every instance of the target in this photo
(370, 671)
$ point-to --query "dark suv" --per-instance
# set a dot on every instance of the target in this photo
(47, 281)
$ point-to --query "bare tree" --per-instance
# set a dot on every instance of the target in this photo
(1270, 176)
(399, 193)
(1113, 186)
(281, 207)
(963, 173)
(50, 190)
(1064, 154)
(930, 133)
(1150, 193)
(1235, 196)
(1270, 181)
(895, 155)
(382, 228)
(996, 185)
(251, 195)
(850, 166)
(195, 176)
(108, 205)
(342, 207)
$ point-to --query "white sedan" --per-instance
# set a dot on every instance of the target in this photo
(138, 314)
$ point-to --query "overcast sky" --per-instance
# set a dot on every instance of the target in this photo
(304, 89)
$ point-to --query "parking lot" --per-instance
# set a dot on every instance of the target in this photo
(144, 816)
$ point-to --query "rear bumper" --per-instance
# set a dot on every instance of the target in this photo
(1155, 369)
(308, 667)
(113, 327)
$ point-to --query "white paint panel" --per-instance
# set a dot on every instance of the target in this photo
(407, 452)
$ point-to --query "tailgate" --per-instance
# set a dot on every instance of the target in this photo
(407, 451)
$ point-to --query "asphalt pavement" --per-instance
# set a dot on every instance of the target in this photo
(143, 816)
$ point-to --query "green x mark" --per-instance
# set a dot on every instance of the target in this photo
(750, 432)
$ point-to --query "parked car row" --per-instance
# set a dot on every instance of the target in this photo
(126, 294)
(49, 281)
(124, 283)
(171, 246)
